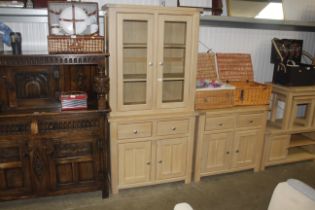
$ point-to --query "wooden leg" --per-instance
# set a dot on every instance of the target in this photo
(287, 112)
(273, 114)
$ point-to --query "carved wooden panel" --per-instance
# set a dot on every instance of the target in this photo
(32, 85)
(14, 126)
(14, 168)
(60, 124)
(63, 150)
(9, 154)
(79, 78)
(75, 163)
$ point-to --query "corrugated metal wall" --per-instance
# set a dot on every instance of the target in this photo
(257, 42)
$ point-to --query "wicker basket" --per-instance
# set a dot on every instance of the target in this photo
(78, 44)
(75, 32)
(237, 69)
(209, 98)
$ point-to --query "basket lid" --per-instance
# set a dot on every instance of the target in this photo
(235, 67)
(206, 69)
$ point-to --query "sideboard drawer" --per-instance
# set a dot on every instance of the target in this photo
(173, 127)
(134, 130)
(216, 123)
(250, 120)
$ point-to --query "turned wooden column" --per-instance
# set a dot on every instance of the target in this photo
(102, 86)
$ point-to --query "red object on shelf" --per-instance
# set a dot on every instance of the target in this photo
(75, 100)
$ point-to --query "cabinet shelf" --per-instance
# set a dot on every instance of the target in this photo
(135, 45)
(175, 46)
(298, 154)
(300, 140)
(173, 76)
(135, 78)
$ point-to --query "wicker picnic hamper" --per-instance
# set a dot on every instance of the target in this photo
(209, 98)
(237, 69)
(74, 28)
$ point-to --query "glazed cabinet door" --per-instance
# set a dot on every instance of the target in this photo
(171, 158)
(216, 152)
(134, 163)
(134, 61)
(14, 168)
(174, 57)
(74, 163)
(245, 148)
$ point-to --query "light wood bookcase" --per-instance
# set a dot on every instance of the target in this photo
(229, 140)
(153, 53)
(290, 135)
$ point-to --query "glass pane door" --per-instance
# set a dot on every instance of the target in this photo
(134, 61)
(174, 59)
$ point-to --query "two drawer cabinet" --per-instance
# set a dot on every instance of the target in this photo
(151, 151)
(229, 140)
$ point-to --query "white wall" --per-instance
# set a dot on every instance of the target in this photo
(299, 10)
(254, 41)
(257, 42)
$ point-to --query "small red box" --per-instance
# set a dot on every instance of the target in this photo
(73, 100)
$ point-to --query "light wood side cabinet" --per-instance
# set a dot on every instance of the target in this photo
(229, 140)
(157, 153)
(153, 61)
(290, 135)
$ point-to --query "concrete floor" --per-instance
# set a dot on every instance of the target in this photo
(237, 191)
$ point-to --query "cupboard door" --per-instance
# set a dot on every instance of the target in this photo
(171, 158)
(174, 57)
(135, 61)
(216, 152)
(74, 163)
(14, 168)
(244, 148)
(134, 163)
(278, 149)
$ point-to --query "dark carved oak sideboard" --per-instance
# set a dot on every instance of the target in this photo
(43, 150)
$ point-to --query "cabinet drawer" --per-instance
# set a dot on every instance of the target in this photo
(172, 127)
(250, 120)
(217, 123)
(134, 130)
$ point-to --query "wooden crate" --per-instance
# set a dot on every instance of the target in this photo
(209, 98)
(237, 69)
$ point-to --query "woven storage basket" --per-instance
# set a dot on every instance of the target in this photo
(78, 44)
(237, 69)
(74, 27)
(208, 98)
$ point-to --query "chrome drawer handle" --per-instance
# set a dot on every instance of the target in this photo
(135, 131)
